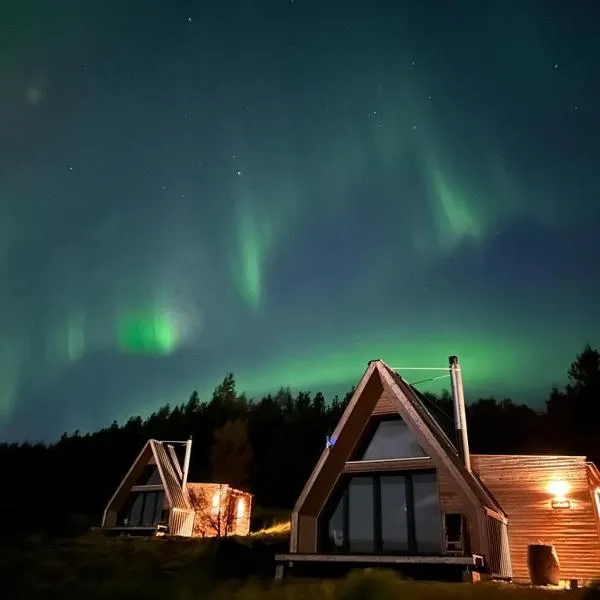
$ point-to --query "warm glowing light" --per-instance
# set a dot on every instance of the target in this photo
(559, 489)
(241, 508)
(597, 497)
(216, 502)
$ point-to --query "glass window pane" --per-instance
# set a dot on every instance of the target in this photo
(149, 508)
(393, 439)
(394, 530)
(160, 501)
(149, 476)
(336, 527)
(428, 532)
(135, 516)
(360, 516)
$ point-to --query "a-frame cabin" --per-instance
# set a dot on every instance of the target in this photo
(155, 496)
(391, 488)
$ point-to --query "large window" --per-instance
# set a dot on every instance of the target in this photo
(361, 534)
(149, 476)
(390, 438)
(142, 509)
(394, 514)
(391, 513)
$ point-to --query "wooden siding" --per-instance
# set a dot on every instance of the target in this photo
(307, 534)
(402, 464)
(453, 501)
(519, 484)
(384, 405)
(181, 522)
(498, 561)
(222, 519)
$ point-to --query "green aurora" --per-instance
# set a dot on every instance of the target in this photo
(286, 193)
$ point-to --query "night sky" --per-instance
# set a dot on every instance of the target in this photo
(287, 189)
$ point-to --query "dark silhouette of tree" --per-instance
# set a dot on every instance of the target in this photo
(573, 414)
(231, 455)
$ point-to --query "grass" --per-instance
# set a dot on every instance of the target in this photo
(281, 529)
(99, 568)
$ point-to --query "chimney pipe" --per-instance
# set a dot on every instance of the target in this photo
(186, 462)
(460, 414)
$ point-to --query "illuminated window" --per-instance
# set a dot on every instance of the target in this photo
(216, 502)
(241, 508)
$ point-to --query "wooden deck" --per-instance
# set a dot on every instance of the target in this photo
(452, 568)
(474, 560)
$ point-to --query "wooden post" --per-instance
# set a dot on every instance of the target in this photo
(186, 462)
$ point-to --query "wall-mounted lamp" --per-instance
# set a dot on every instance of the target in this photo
(559, 490)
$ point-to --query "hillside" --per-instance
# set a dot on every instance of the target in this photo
(97, 568)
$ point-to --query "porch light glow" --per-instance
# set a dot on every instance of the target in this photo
(558, 488)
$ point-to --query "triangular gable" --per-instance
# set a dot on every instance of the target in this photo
(388, 438)
(153, 454)
(408, 405)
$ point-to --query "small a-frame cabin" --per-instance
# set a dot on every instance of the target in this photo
(392, 488)
(155, 497)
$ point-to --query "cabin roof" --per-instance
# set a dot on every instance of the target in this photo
(410, 405)
(171, 474)
(445, 444)
(169, 469)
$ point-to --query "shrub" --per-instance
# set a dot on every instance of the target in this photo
(370, 585)
(593, 592)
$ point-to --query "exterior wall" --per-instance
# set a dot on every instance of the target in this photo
(307, 534)
(452, 501)
(181, 522)
(217, 509)
(519, 484)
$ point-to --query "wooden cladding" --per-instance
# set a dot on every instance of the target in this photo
(520, 484)
(385, 405)
(401, 464)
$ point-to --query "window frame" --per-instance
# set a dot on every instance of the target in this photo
(369, 434)
(341, 494)
(155, 497)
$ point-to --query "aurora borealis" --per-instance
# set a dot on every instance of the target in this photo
(287, 189)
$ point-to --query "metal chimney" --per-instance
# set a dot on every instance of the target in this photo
(460, 413)
(186, 462)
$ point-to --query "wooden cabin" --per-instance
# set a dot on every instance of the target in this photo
(392, 488)
(154, 497)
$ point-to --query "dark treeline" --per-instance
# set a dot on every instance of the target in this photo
(269, 446)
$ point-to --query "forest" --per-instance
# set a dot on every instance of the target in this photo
(268, 446)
